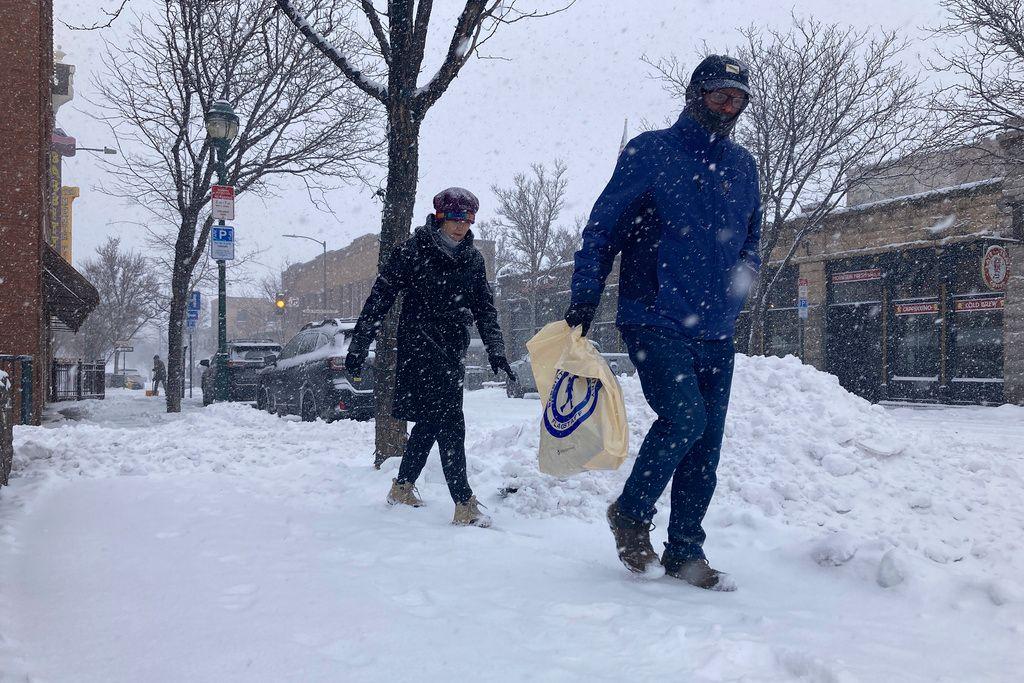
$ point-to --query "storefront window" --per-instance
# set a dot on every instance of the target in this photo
(976, 338)
(916, 330)
(855, 285)
(782, 333)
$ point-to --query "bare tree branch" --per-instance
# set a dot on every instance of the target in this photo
(111, 18)
(296, 121)
(354, 75)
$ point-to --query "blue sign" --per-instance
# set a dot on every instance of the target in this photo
(222, 243)
(802, 308)
(192, 311)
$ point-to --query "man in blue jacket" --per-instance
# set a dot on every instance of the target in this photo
(683, 209)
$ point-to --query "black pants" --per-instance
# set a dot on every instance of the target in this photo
(156, 385)
(450, 435)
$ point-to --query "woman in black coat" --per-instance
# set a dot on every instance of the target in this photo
(445, 284)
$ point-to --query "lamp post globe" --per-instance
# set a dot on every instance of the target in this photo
(221, 122)
(221, 127)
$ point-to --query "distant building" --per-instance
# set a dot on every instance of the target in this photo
(351, 271)
(248, 317)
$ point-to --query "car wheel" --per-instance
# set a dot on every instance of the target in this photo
(308, 408)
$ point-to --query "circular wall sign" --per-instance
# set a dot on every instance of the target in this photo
(995, 267)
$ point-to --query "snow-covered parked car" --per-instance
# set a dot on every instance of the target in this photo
(308, 378)
(619, 363)
(245, 357)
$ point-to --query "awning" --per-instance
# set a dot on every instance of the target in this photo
(69, 297)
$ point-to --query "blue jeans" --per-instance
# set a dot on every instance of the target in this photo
(687, 382)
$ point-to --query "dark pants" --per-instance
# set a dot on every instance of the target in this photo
(450, 435)
(156, 385)
(686, 382)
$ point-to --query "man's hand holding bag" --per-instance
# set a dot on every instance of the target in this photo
(584, 422)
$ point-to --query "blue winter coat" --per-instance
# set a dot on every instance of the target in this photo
(684, 210)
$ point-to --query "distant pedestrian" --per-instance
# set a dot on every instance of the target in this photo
(684, 210)
(445, 284)
(159, 375)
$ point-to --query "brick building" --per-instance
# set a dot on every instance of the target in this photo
(248, 317)
(37, 286)
(351, 271)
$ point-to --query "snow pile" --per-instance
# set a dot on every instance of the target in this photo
(871, 494)
(801, 451)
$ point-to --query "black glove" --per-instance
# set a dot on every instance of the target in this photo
(354, 362)
(581, 314)
(501, 363)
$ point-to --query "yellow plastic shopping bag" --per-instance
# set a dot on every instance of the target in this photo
(584, 422)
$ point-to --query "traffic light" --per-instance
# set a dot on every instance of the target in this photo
(279, 304)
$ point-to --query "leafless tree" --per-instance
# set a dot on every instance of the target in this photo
(831, 105)
(567, 241)
(982, 54)
(493, 231)
(298, 121)
(131, 296)
(397, 36)
(528, 211)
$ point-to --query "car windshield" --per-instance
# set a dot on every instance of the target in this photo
(254, 353)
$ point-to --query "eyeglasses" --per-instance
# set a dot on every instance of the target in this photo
(720, 98)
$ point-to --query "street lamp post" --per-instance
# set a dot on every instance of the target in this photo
(322, 243)
(221, 129)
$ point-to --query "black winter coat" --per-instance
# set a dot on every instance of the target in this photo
(444, 294)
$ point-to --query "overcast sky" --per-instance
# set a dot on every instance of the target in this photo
(564, 91)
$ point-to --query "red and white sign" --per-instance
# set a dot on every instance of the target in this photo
(971, 305)
(857, 275)
(995, 267)
(222, 202)
(918, 308)
(801, 286)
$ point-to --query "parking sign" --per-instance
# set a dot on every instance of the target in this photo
(222, 243)
(192, 311)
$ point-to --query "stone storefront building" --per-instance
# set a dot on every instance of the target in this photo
(914, 297)
(912, 289)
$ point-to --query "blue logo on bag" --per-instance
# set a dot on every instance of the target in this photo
(563, 413)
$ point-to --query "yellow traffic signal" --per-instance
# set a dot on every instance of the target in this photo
(279, 304)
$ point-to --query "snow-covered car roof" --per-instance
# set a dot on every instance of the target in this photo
(343, 324)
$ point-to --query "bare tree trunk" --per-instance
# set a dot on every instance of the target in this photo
(755, 340)
(175, 354)
(181, 275)
(396, 225)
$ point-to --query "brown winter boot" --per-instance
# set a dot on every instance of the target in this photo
(404, 494)
(633, 541)
(469, 514)
(699, 573)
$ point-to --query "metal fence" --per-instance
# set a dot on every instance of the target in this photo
(74, 380)
(19, 374)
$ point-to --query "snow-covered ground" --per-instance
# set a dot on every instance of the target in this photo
(224, 544)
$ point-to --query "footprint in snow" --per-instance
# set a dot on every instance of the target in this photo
(239, 597)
